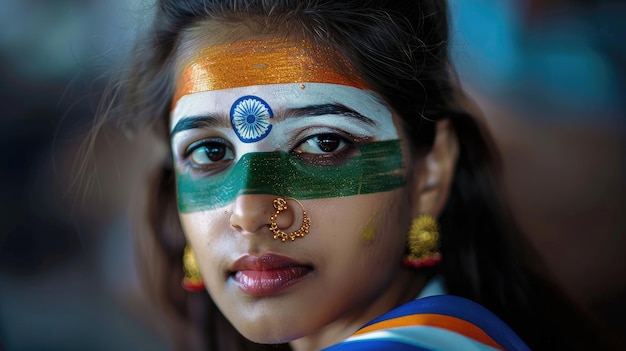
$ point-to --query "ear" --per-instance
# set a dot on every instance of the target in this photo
(435, 171)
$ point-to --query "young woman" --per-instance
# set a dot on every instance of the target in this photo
(326, 184)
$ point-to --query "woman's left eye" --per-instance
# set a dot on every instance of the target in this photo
(320, 144)
(324, 149)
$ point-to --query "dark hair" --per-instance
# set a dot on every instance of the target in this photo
(400, 47)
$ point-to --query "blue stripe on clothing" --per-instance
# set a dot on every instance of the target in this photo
(417, 337)
(462, 308)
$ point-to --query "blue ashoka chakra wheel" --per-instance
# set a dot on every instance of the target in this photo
(250, 118)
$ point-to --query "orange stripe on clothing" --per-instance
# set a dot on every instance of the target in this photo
(261, 62)
(435, 320)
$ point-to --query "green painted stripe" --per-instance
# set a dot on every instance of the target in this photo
(377, 168)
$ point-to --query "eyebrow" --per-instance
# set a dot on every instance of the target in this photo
(329, 109)
(217, 121)
(203, 121)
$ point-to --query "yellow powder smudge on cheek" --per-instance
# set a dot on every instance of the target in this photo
(369, 231)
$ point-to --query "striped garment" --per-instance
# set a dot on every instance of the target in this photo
(441, 322)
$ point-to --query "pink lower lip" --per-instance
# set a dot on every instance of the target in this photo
(269, 282)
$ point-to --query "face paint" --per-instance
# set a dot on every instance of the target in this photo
(243, 157)
(261, 62)
(369, 232)
(339, 106)
(377, 168)
(250, 117)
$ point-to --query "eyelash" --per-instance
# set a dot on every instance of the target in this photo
(330, 158)
(347, 148)
(213, 166)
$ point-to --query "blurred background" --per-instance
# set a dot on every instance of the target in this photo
(550, 77)
(67, 272)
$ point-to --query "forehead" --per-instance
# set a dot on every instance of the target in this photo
(262, 62)
(289, 100)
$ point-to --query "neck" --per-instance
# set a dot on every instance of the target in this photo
(404, 288)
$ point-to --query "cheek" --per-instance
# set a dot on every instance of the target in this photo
(203, 231)
(195, 223)
(385, 234)
(358, 244)
(207, 233)
(374, 224)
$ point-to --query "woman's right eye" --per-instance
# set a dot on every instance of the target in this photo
(209, 153)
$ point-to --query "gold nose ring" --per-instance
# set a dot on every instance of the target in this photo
(280, 204)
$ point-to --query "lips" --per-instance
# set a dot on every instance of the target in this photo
(267, 275)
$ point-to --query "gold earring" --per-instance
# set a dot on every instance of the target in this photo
(192, 280)
(280, 204)
(423, 243)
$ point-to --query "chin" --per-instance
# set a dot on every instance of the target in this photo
(278, 335)
(268, 339)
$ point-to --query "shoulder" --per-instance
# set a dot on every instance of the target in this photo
(442, 322)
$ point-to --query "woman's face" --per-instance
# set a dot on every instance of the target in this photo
(329, 143)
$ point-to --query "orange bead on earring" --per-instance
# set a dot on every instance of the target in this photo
(280, 204)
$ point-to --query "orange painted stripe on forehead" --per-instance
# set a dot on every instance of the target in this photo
(260, 62)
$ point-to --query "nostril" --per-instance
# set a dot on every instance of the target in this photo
(251, 213)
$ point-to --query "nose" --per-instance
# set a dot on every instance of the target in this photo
(251, 214)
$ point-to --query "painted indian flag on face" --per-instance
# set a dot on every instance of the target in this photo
(250, 117)
(286, 124)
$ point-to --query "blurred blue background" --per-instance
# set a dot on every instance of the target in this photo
(550, 77)
(67, 276)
